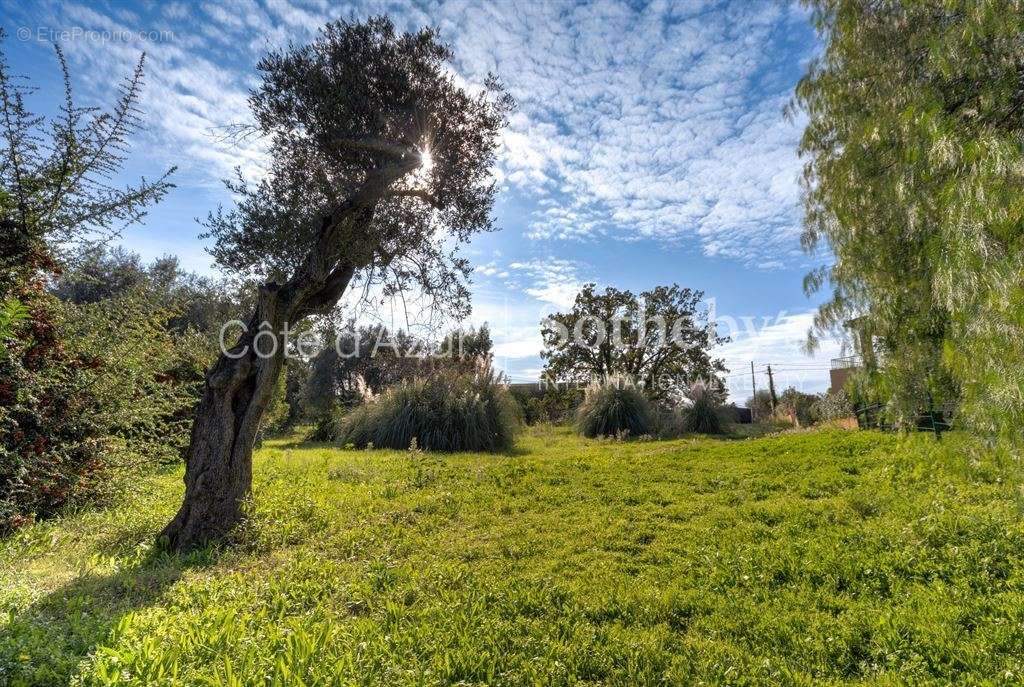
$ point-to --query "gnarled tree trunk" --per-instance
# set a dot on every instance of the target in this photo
(218, 464)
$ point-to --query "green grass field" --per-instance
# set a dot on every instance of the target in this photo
(834, 557)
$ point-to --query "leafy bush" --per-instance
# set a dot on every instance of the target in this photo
(614, 407)
(96, 274)
(798, 407)
(371, 359)
(669, 423)
(88, 393)
(703, 415)
(62, 407)
(50, 450)
(760, 405)
(327, 424)
(446, 411)
(275, 417)
(12, 312)
(834, 405)
(147, 378)
(546, 403)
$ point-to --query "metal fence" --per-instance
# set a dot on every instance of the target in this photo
(936, 421)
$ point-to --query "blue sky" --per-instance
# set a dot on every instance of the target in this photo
(649, 145)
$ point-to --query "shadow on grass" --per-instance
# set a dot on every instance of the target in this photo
(44, 642)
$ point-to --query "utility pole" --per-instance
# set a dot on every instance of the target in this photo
(753, 384)
(771, 388)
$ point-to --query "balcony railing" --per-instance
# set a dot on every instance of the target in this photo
(847, 362)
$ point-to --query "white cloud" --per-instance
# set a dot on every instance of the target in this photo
(516, 349)
(662, 123)
(552, 281)
(658, 123)
(491, 269)
(514, 298)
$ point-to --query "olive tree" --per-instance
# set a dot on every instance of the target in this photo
(379, 167)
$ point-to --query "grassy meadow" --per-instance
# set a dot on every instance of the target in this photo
(815, 557)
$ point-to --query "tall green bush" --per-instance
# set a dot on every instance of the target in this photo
(50, 450)
(613, 407)
(547, 403)
(145, 377)
(703, 414)
(446, 411)
(57, 188)
(275, 418)
(357, 361)
(100, 392)
(797, 405)
(832, 405)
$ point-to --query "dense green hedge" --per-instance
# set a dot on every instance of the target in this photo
(90, 393)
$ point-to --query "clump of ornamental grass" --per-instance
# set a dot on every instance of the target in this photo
(615, 408)
(702, 417)
(448, 410)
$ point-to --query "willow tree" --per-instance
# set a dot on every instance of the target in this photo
(915, 165)
(380, 166)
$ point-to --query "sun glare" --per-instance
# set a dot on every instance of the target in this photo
(426, 160)
(420, 177)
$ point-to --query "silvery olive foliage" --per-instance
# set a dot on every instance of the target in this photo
(360, 96)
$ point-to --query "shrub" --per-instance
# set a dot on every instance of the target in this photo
(760, 405)
(546, 403)
(834, 405)
(614, 407)
(372, 359)
(446, 411)
(703, 415)
(56, 190)
(327, 424)
(51, 452)
(670, 423)
(12, 311)
(90, 393)
(147, 379)
(798, 406)
(275, 416)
